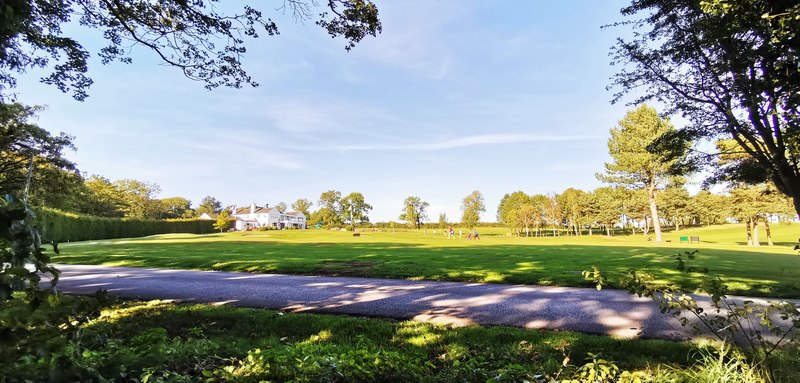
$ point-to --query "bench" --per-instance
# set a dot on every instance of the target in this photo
(684, 239)
(356, 234)
(694, 239)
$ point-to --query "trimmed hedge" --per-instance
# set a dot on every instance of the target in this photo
(59, 226)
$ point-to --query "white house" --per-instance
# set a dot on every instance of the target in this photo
(255, 217)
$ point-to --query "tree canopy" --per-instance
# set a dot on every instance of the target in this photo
(634, 165)
(303, 205)
(354, 208)
(729, 67)
(204, 43)
(208, 205)
(471, 208)
(414, 211)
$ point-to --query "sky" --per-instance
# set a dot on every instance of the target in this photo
(452, 96)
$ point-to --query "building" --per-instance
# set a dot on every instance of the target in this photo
(255, 217)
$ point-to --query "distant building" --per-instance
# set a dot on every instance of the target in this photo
(208, 216)
(256, 217)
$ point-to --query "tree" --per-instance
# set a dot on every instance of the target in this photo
(708, 208)
(354, 209)
(103, 198)
(572, 207)
(303, 205)
(729, 67)
(471, 207)
(281, 207)
(674, 204)
(176, 207)
(139, 198)
(414, 211)
(636, 167)
(193, 36)
(552, 212)
(329, 212)
(607, 206)
(22, 140)
(208, 205)
(635, 207)
(508, 210)
(442, 220)
(224, 221)
(754, 204)
(540, 203)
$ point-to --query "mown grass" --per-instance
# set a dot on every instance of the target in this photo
(496, 258)
(241, 344)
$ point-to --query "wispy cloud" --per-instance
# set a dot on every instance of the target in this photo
(476, 140)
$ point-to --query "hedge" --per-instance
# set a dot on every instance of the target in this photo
(59, 226)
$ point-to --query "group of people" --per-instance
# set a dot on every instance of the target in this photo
(452, 234)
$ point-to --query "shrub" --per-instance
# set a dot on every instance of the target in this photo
(58, 226)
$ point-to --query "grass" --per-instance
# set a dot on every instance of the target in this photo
(496, 258)
(160, 340)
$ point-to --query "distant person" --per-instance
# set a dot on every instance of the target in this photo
(475, 234)
(452, 232)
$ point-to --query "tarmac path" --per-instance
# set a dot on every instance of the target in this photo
(610, 312)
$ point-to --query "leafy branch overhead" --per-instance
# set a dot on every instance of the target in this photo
(729, 67)
(205, 43)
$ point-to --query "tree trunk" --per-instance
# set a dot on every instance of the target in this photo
(651, 194)
(749, 228)
(769, 232)
(590, 230)
(608, 232)
(677, 224)
(756, 241)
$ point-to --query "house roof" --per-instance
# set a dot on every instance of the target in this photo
(296, 213)
(258, 210)
(210, 215)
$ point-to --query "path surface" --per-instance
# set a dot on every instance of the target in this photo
(609, 312)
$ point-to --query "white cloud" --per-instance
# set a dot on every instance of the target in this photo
(476, 140)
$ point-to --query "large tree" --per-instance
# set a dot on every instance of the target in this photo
(354, 209)
(471, 208)
(635, 165)
(729, 67)
(572, 202)
(139, 198)
(607, 206)
(176, 207)
(508, 211)
(22, 140)
(414, 211)
(208, 205)
(204, 43)
(303, 205)
(103, 199)
(329, 208)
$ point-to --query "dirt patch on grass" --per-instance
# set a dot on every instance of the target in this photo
(345, 268)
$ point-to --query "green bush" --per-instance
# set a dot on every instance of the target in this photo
(59, 226)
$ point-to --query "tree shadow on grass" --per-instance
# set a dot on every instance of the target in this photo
(751, 273)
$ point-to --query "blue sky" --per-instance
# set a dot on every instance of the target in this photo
(452, 97)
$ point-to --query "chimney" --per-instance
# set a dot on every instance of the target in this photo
(233, 209)
(253, 208)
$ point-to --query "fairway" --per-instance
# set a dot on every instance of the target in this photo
(496, 258)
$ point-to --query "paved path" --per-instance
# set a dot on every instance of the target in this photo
(609, 312)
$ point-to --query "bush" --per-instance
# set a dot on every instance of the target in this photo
(58, 226)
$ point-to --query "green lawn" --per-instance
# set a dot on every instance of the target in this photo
(166, 342)
(496, 258)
